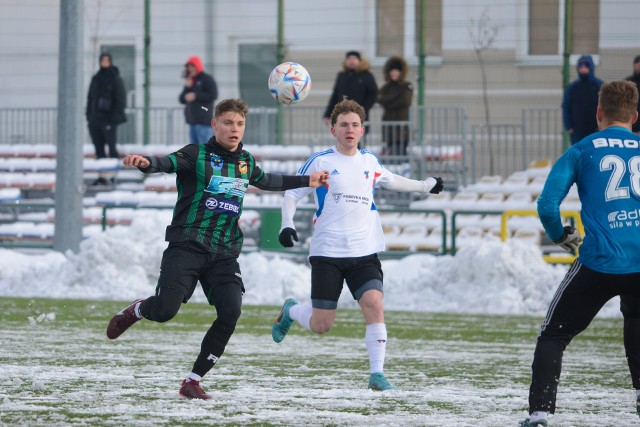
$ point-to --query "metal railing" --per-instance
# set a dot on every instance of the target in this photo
(488, 150)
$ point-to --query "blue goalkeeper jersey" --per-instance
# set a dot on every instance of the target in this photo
(606, 169)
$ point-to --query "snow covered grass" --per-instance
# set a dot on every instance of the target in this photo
(59, 369)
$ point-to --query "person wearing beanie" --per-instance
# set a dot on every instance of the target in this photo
(354, 82)
(395, 96)
(106, 101)
(198, 95)
(580, 101)
(635, 77)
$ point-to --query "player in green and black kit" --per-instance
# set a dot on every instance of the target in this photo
(204, 236)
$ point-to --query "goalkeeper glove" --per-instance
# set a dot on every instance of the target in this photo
(287, 236)
(436, 184)
(570, 239)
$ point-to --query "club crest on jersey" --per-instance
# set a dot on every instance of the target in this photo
(366, 174)
(216, 162)
(242, 166)
(337, 197)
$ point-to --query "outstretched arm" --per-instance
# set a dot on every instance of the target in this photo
(150, 164)
(429, 185)
(275, 182)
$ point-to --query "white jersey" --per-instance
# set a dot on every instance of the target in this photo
(346, 222)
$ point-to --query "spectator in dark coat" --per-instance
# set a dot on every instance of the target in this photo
(199, 93)
(354, 82)
(581, 101)
(106, 102)
(395, 96)
(635, 77)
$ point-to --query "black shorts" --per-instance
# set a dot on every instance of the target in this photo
(328, 276)
(184, 265)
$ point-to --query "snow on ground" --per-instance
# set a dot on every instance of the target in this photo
(123, 264)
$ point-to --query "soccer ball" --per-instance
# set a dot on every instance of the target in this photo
(289, 83)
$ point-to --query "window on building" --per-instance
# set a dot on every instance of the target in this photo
(433, 27)
(585, 26)
(391, 26)
(545, 26)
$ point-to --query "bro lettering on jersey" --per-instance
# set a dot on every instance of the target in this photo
(615, 142)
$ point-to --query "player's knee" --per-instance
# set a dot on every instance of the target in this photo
(162, 315)
(229, 315)
(321, 329)
(556, 336)
(321, 326)
(373, 305)
(629, 311)
(163, 307)
(371, 300)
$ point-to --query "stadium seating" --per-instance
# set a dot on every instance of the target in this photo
(26, 168)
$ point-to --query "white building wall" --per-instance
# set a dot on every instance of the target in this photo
(29, 37)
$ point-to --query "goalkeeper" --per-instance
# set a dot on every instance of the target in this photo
(605, 166)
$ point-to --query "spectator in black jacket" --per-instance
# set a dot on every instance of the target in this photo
(581, 101)
(395, 96)
(635, 77)
(354, 82)
(199, 93)
(106, 101)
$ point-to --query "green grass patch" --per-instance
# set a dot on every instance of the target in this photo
(58, 368)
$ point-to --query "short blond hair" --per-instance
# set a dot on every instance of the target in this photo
(618, 100)
(239, 106)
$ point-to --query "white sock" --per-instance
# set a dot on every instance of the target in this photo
(193, 377)
(302, 314)
(376, 341)
(537, 416)
(136, 310)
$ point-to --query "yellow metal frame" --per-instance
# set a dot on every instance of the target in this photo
(554, 259)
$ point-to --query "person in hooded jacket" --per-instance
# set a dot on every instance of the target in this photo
(354, 82)
(580, 101)
(106, 102)
(395, 96)
(198, 95)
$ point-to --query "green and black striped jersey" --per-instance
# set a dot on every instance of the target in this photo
(212, 183)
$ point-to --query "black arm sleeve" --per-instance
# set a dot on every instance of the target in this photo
(274, 182)
(158, 164)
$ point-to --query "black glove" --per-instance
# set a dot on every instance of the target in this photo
(570, 239)
(438, 187)
(287, 236)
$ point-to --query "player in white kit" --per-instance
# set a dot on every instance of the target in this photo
(347, 236)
